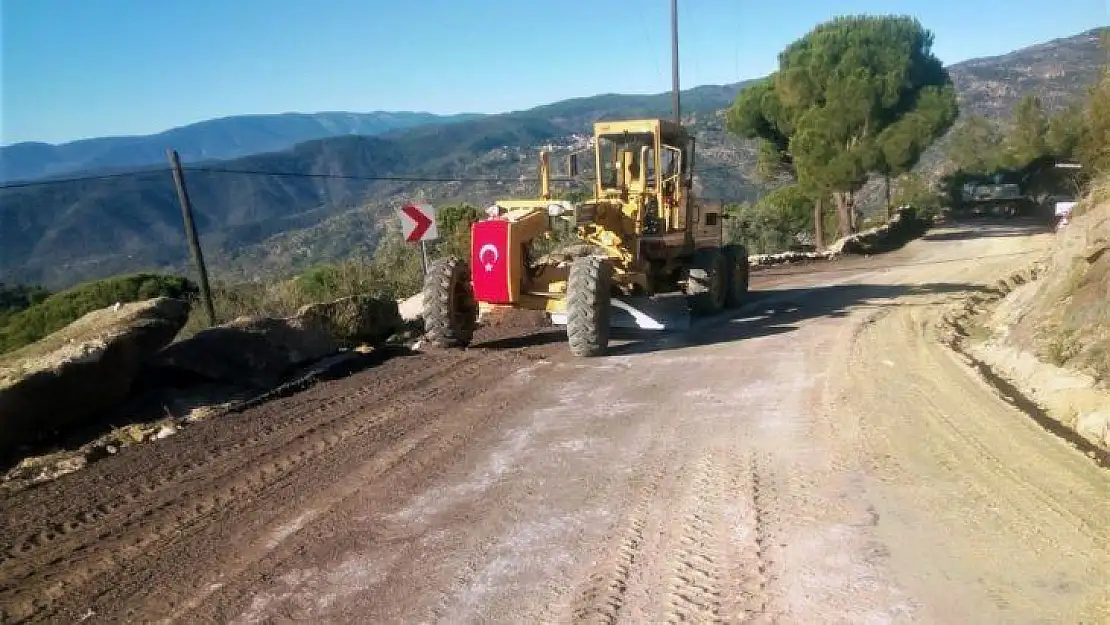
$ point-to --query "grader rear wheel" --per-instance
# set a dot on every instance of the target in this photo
(588, 305)
(450, 310)
(738, 273)
(707, 283)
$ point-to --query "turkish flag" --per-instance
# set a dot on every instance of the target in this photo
(489, 261)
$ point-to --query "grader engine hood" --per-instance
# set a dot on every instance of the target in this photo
(492, 260)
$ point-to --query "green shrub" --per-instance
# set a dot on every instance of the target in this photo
(17, 297)
(914, 190)
(776, 223)
(61, 309)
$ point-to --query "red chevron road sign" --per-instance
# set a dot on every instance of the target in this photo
(418, 223)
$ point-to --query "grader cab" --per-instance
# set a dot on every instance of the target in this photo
(642, 252)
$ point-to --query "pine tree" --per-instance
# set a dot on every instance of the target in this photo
(856, 95)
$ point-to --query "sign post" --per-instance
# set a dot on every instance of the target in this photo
(418, 223)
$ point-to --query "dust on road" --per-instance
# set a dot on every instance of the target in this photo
(818, 459)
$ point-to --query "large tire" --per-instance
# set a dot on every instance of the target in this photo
(739, 270)
(588, 305)
(707, 283)
(450, 310)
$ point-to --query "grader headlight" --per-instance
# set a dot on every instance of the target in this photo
(560, 208)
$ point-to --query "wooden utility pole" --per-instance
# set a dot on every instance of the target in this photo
(674, 62)
(889, 210)
(819, 223)
(191, 234)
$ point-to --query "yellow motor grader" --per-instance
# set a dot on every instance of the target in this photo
(641, 252)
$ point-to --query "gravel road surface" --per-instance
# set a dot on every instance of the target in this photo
(818, 458)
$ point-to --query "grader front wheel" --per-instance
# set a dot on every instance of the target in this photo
(450, 310)
(588, 305)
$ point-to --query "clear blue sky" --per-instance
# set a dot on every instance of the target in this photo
(83, 68)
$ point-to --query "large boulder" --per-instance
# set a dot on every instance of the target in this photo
(259, 352)
(356, 320)
(411, 308)
(255, 352)
(82, 369)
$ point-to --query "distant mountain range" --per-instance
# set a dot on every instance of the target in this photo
(256, 225)
(246, 135)
(214, 139)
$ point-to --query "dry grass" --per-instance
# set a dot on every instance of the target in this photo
(1099, 195)
(396, 278)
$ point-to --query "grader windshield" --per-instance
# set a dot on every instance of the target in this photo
(632, 162)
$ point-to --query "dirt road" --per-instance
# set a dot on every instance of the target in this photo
(818, 459)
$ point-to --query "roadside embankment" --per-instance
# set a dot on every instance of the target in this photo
(1046, 329)
(116, 376)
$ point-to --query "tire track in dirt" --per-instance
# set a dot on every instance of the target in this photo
(764, 521)
(711, 554)
(695, 584)
(605, 592)
(749, 557)
(955, 435)
(319, 436)
(413, 445)
(722, 567)
(411, 451)
(302, 412)
(116, 531)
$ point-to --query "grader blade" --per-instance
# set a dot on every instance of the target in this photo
(659, 312)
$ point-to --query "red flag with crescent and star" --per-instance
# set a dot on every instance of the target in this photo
(489, 261)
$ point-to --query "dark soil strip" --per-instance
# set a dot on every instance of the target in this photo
(341, 368)
(1029, 407)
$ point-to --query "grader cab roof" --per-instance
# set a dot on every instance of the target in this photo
(666, 128)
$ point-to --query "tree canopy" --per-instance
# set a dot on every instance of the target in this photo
(1093, 146)
(975, 146)
(856, 95)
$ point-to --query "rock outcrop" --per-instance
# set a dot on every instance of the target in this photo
(82, 369)
(785, 258)
(905, 226)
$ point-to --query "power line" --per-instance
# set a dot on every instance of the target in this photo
(216, 170)
(279, 174)
(57, 181)
(276, 174)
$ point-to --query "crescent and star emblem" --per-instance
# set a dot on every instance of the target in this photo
(491, 249)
